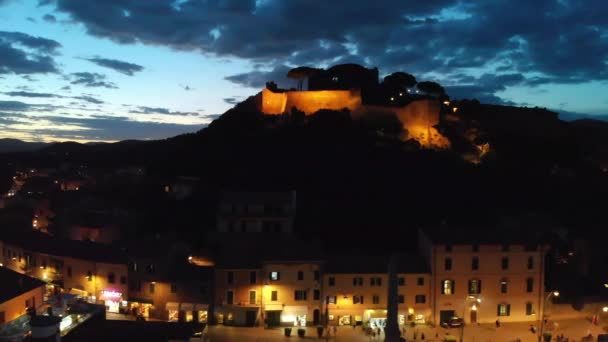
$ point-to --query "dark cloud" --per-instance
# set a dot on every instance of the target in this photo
(14, 106)
(49, 18)
(25, 54)
(89, 99)
(29, 94)
(30, 19)
(91, 79)
(258, 78)
(232, 100)
(116, 65)
(186, 87)
(161, 111)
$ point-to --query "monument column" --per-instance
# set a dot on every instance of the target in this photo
(391, 332)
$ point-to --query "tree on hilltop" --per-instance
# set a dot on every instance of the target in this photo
(302, 73)
(431, 87)
(400, 79)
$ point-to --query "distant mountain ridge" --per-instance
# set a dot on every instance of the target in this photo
(8, 145)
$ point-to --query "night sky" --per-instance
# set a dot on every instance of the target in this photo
(107, 70)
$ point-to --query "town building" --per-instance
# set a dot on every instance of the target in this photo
(18, 293)
(484, 275)
(356, 287)
(256, 212)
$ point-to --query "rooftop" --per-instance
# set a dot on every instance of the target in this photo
(13, 284)
(360, 263)
(482, 236)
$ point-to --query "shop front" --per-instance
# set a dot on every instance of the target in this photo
(172, 309)
(295, 315)
(140, 306)
(113, 301)
(201, 312)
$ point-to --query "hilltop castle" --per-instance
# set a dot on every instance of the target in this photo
(356, 88)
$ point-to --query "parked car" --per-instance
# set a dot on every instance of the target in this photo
(454, 322)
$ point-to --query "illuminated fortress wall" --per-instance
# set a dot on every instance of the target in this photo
(418, 117)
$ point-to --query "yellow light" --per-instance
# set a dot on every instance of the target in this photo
(44, 276)
(447, 103)
(400, 94)
(1, 264)
(556, 293)
(190, 258)
(605, 309)
(455, 109)
(392, 98)
(474, 308)
(41, 267)
(410, 311)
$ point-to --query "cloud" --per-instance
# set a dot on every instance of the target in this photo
(232, 100)
(87, 98)
(91, 79)
(29, 94)
(25, 54)
(116, 65)
(258, 78)
(49, 18)
(161, 111)
(14, 106)
(186, 87)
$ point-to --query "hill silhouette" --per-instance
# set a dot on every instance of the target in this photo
(358, 179)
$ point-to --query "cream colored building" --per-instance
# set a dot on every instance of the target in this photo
(356, 288)
(484, 276)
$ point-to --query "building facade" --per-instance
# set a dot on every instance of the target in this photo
(500, 278)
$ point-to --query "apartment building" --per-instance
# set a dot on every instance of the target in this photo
(18, 293)
(356, 290)
(499, 277)
(238, 292)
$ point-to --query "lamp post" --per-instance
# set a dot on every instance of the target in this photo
(542, 316)
(464, 310)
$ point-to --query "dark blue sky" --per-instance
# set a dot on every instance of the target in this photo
(143, 69)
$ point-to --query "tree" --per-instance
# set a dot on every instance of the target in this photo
(431, 87)
(302, 73)
(400, 79)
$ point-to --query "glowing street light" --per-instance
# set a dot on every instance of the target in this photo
(542, 316)
(605, 309)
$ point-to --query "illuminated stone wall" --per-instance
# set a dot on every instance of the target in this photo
(418, 117)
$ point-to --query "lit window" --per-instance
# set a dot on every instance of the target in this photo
(447, 287)
(474, 286)
(275, 275)
(504, 309)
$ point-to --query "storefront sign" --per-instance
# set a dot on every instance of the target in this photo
(111, 294)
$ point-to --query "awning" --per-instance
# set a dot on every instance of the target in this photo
(186, 307)
(141, 300)
(201, 307)
(273, 307)
(172, 306)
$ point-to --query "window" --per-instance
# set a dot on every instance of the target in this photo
(331, 281)
(230, 277)
(530, 262)
(69, 271)
(504, 286)
(401, 281)
(253, 277)
(420, 281)
(358, 281)
(229, 297)
(529, 309)
(152, 287)
(474, 286)
(448, 264)
(134, 267)
(151, 268)
(376, 299)
(317, 275)
(252, 296)
(111, 278)
(420, 299)
(505, 263)
(504, 310)
(316, 294)
(475, 248)
(448, 248)
(300, 275)
(401, 299)
(275, 276)
(530, 285)
(357, 299)
(274, 295)
(123, 279)
(89, 276)
(475, 263)
(447, 287)
(300, 294)
(375, 281)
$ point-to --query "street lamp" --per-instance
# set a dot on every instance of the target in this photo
(542, 316)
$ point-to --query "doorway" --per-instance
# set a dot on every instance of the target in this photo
(273, 318)
(316, 317)
(250, 317)
(446, 315)
(473, 316)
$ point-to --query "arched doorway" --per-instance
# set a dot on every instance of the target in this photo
(316, 317)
